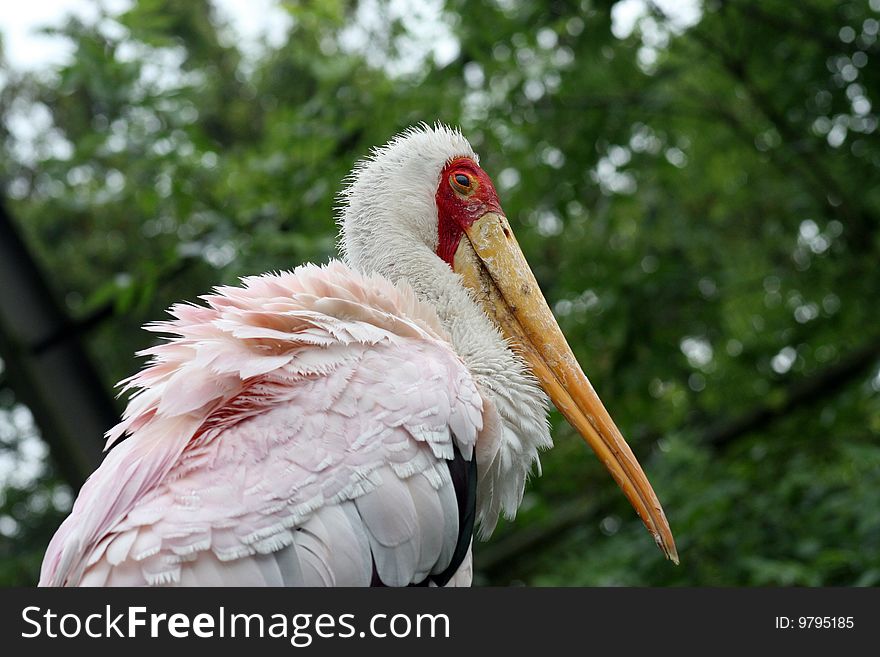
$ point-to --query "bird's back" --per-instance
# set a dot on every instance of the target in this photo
(308, 428)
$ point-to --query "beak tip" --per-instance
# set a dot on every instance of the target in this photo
(663, 536)
(668, 548)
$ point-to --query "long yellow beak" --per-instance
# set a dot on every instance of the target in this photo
(493, 266)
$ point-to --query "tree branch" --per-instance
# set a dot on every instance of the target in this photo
(58, 383)
(823, 385)
(500, 555)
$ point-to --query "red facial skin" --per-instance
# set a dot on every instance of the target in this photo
(457, 210)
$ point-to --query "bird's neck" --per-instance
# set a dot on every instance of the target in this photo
(473, 336)
(517, 405)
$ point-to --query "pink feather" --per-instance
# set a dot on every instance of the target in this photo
(259, 437)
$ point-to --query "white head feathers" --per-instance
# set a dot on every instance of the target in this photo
(388, 203)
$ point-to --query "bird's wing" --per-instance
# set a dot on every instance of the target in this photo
(309, 428)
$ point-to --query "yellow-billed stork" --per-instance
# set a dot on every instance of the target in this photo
(347, 424)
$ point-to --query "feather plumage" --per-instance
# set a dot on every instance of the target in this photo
(256, 426)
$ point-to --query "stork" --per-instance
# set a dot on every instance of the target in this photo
(349, 424)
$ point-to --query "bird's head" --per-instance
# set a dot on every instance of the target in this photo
(421, 203)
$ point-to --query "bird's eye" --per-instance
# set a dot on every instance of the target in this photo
(461, 182)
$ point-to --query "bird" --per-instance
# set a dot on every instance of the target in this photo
(356, 423)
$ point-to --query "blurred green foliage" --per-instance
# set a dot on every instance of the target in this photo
(700, 204)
